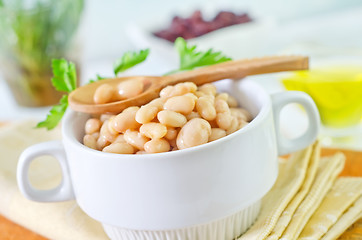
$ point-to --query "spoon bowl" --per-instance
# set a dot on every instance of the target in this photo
(81, 99)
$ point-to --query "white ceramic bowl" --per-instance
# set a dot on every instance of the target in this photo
(211, 191)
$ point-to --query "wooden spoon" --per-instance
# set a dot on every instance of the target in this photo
(81, 99)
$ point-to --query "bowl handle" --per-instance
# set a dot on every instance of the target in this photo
(280, 100)
(62, 192)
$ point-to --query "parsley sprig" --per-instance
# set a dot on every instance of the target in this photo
(65, 77)
(64, 80)
(130, 59)
(191, 58)
(55, 114)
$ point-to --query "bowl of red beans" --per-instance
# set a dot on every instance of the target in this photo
(228, 31)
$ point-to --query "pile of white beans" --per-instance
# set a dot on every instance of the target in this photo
(183, 116)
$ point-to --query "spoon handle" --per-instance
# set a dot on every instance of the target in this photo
(239, 69)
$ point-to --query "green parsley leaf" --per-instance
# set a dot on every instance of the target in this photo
(190, 58)
(55, 114)
(65, 75)
(65, 79)
(130, 59)
(1, 3)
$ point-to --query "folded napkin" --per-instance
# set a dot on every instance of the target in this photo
(344, 193)
(316, 207)
(291, 176)
(64, 220)
(351, 215)
(288, 212)
(327, 172)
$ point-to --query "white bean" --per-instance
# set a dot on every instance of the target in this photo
(192, 115)
(211, 98)
(181, 104)
(126, 120)
(104, 94)
(223, 120)
(221, 106)
(177, 90)
(181, 89)
(120, 138)
(205, 107)
(102, 142)
(222, 96)
(191, 86)
(232, 102)
(171, 133)
(192, 95)
(241, 114)
(194, 133)
(110, 126)
(171, 118)
(95, 135)
(104, 132)
(234, 126)
(153, 130)
(146, 113)
(130, 88)
(136, 139)
(92, 125)
(90, 141)
(157, 146)
(166, 92)
(200, 94)
(120, 148)
(106, 116)
(216, 133)
(208, 88)
(158, 102)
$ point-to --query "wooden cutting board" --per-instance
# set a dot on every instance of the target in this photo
(353, 167)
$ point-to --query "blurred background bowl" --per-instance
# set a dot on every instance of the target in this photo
(241, 40)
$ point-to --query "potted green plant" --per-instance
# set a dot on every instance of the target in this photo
(31, 34)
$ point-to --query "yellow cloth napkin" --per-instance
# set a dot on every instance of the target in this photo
(287, 214)
(343, 194)
(350, 216)
(328, 170)
(287, 209)
(291, 176)
(63, 220)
